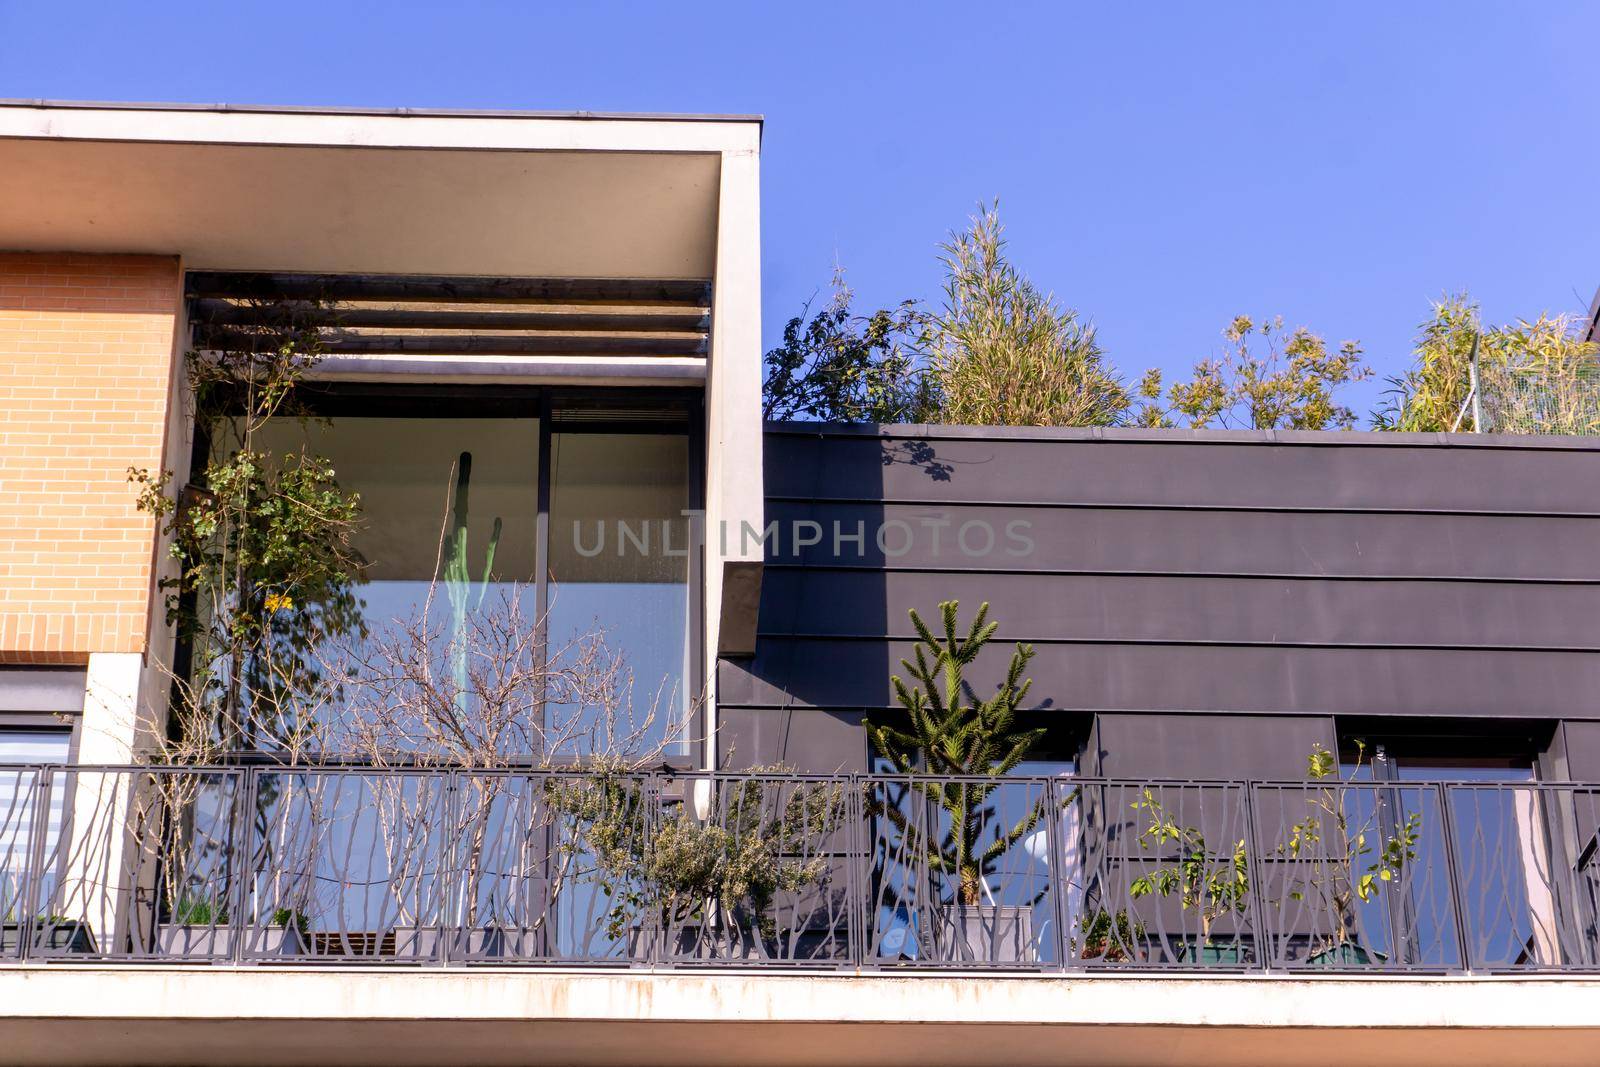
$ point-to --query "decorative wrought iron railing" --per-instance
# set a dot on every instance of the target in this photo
(350, 865)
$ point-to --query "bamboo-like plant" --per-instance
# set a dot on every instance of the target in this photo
(949, 732)
(1538, 376)
(1003, 352)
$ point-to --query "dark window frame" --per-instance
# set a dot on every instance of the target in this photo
(546, 403)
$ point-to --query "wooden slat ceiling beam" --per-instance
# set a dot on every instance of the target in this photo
(412, 315)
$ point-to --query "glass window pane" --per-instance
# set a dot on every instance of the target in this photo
(448, 504)
(19, 790)
(34, 746)
(406, 471)
(619, 563)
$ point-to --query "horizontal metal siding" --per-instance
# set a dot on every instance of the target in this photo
(805, 605)
(1306, 574)
(1142, 473)
(1191, 541)
(1261, 679)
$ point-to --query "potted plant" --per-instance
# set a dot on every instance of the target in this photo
(699, 884)
(1352, 859)
(1211, 883)
(1110, 938)
(285, 933)
(198, 927)
(955, 751)
(50, 935)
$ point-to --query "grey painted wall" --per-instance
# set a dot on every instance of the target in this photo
(1207, 578)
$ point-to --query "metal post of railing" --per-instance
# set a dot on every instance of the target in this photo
(1477, 387)
(1258, 900)
(651, 812)
(855, 856)
(450, 869)
(1453, 874)
(33, 872)
(1056, 868)
(1585, 913)
(1557, 818)
(244, 795)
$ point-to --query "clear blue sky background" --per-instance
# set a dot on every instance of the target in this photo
(1161, 167)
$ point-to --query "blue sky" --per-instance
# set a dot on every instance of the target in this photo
(1161, 167)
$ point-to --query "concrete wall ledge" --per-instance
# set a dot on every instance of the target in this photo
(134, 1014)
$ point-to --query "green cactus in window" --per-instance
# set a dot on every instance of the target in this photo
(458, 581)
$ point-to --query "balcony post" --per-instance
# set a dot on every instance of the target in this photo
(1452, 874)
(1056, 868)
(1258, 899)
(33, 869)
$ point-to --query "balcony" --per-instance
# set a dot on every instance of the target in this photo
(352, 866)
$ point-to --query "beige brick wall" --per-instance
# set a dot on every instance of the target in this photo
(86, 352)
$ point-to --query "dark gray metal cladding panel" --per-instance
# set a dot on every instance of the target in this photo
(1208, 576)
(1218, 610)
(1209, 746)
(1169, 541)
(843, 673)
(1583, 751)
(1246, 473)
(808, 740)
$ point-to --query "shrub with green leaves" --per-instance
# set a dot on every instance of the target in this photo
(1266, 379)
(722, 871)
(1345, 857)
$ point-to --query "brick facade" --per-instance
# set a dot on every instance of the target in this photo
(86, 347)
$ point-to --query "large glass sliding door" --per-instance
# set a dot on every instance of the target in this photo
(568, 510)
(620, 566)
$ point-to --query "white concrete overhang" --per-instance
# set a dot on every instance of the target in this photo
(90, 1014)
(492, 194)
(478, 193)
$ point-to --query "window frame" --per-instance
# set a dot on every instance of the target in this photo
(335, 399)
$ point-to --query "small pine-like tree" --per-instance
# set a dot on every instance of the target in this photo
(948, 732)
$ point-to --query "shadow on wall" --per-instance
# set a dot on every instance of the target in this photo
(845, 532)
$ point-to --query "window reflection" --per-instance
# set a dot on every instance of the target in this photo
(619, 562)
(19, 792)
(407, 472)
(452, 504)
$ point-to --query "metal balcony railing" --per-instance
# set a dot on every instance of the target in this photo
(348, 865)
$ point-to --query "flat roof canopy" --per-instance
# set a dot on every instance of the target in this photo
(369, 193)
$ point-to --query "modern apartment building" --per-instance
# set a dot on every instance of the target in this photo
(1317, 772)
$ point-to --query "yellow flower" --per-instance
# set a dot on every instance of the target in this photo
(278, 602)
